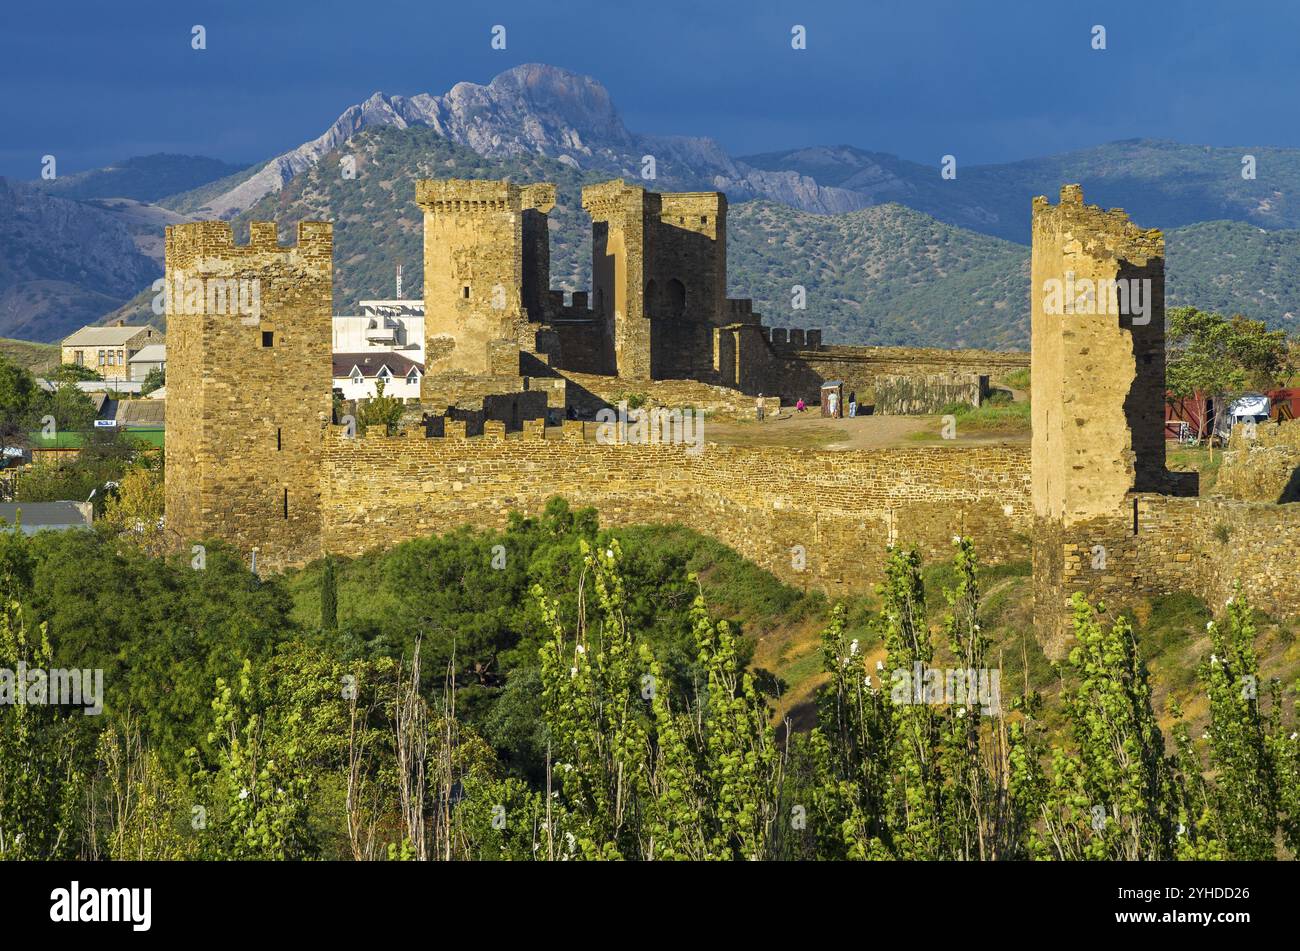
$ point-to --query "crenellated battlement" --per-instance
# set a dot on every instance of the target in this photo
(1105, 234)
(611, 198)
(248, 348)
(197, 244)
(464, 196)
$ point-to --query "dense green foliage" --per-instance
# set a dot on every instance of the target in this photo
(155, 378)
(470, 675)
(24, 406)
(1221, 357)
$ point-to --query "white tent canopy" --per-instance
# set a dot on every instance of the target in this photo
(1248, 406)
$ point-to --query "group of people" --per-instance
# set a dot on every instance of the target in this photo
(760, 409)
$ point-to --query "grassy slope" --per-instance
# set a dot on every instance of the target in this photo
(36, 357)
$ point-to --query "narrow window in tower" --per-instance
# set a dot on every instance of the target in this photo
(1135, 516)
(286, 503)
(465, 292)
(279, 443)
(267, 337)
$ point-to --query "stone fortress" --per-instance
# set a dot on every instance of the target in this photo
(500, 344)
(255, 456)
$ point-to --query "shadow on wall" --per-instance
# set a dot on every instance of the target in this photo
(1144, 406)
(583, 403)
(1291, 493)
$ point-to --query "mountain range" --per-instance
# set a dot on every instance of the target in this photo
(890, 251)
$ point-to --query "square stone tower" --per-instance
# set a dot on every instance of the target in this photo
(659, 276)
(486, 269)
(1097, 390)
(248, 386)
(1098, 352)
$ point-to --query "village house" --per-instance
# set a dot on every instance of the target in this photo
(108, 350)
(385, 341)
(152, 357)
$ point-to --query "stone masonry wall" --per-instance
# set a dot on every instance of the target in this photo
(249, 395)
(1158, 544)
(911, 395)
(798, 371)
(1265, 468)
(842, 507)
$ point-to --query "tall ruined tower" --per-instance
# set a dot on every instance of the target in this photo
(1097, 389)
(249, 378)
(659, 276)
(486, 271)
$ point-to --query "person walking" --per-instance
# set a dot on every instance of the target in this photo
(759, 407)
(853, 403)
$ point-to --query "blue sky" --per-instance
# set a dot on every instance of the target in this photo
(91, 81)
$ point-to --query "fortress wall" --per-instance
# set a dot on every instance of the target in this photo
(911, 395)
(1265, 468)
(842, 507)
(1204, 546)
(798, 372)
(1207, 545)
(250, 393)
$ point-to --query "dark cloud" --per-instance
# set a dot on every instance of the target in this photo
(92, 81)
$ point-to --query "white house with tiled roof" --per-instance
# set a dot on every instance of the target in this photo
(383, 342)
(356, 375)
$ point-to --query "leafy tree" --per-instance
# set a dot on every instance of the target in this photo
(380, 410)
(136, 508)
(1115, 795)
(148, 814)
(1248, 748)
(1222, 357)
(699, 780)
(257, 784)
(73, 410)
(103, 461)
(153, 380)
(18, 397)
(43, 754)
(73, 373)
(162, 631)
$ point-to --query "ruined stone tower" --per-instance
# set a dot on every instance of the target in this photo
(1097, 336)
(248, 350)
(486, 272)
(659, 276)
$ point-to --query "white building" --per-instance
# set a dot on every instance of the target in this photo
(356, 375)
(152, 357)
(396, 325)
(383, 342)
